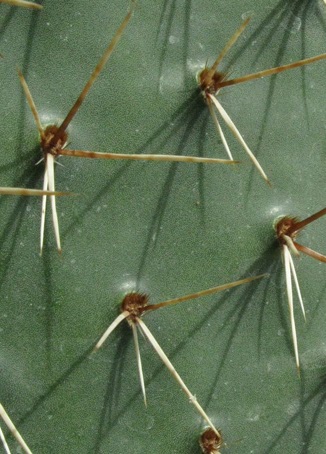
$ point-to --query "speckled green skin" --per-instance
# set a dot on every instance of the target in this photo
(163, 229)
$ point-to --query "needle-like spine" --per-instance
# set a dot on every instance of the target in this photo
(174, 373)
(4, 415)
(287, 228)
(22, 3)
(210, 81)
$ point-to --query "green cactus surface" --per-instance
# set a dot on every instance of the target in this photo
(164, 229)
